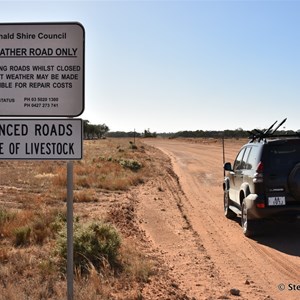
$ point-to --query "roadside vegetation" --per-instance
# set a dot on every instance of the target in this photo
(107, 259)
(227, 134)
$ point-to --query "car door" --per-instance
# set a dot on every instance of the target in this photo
(237, 174)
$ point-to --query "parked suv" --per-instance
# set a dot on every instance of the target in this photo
(264, 180)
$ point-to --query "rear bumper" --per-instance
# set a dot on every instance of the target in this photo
(269, 212)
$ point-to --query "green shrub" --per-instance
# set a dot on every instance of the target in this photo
(22, 235)
(59, 221)
(131, 164)
(93, 243)
(6, 216)
(132, 146)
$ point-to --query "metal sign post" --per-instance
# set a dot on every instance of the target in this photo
(42, 75)
(70, 250)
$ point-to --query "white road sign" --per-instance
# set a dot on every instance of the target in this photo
(41, 139)
(42, 69)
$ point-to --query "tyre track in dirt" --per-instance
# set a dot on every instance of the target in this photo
(164, 219)
(213, 254)
(280, 263)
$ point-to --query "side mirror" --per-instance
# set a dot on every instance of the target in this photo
(227, 166)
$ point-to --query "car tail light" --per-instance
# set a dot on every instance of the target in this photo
(260, 205)
(258, 175)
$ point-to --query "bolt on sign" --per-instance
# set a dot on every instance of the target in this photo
(42, 69)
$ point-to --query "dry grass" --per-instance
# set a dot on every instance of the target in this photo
(85, 196)
(32, 211)
(137, 267)
(102, 167)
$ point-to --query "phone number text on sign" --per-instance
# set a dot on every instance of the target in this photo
(41, 102)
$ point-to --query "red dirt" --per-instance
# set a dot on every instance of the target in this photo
(176, 220)
(207, 256)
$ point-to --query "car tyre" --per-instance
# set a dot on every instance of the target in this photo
(248, 226)
(229, 214)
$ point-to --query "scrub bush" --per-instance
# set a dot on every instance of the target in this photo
(22, 236)
(131, 164)
(93, 244)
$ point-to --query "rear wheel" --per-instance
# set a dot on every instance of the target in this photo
(248, 226)
(227, 211)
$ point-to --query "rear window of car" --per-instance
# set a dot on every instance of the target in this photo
(282, 157)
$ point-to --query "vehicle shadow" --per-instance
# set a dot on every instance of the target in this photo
(281, 236)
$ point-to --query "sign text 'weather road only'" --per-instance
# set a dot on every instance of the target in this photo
(36, 139)
(42, 69)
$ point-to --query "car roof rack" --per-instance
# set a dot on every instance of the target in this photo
(259, 135)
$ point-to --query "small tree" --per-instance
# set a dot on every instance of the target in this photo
(101, 130)
(148, 134)
(91, 131)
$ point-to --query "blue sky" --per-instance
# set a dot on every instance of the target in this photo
(183, 65)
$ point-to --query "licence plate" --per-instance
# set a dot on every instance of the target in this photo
(275, 201)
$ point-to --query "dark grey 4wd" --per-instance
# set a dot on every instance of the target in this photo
(264, 180)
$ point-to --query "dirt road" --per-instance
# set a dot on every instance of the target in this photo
(207, 253)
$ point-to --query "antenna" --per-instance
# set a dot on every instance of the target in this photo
(223, 144)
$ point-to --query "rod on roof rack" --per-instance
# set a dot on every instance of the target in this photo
(259, 134)
(270, 128)
(282, 122)
(267, 131)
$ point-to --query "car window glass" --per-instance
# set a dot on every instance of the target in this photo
(245, 158)
(238, 161)
(253, 158)
(283, 157)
